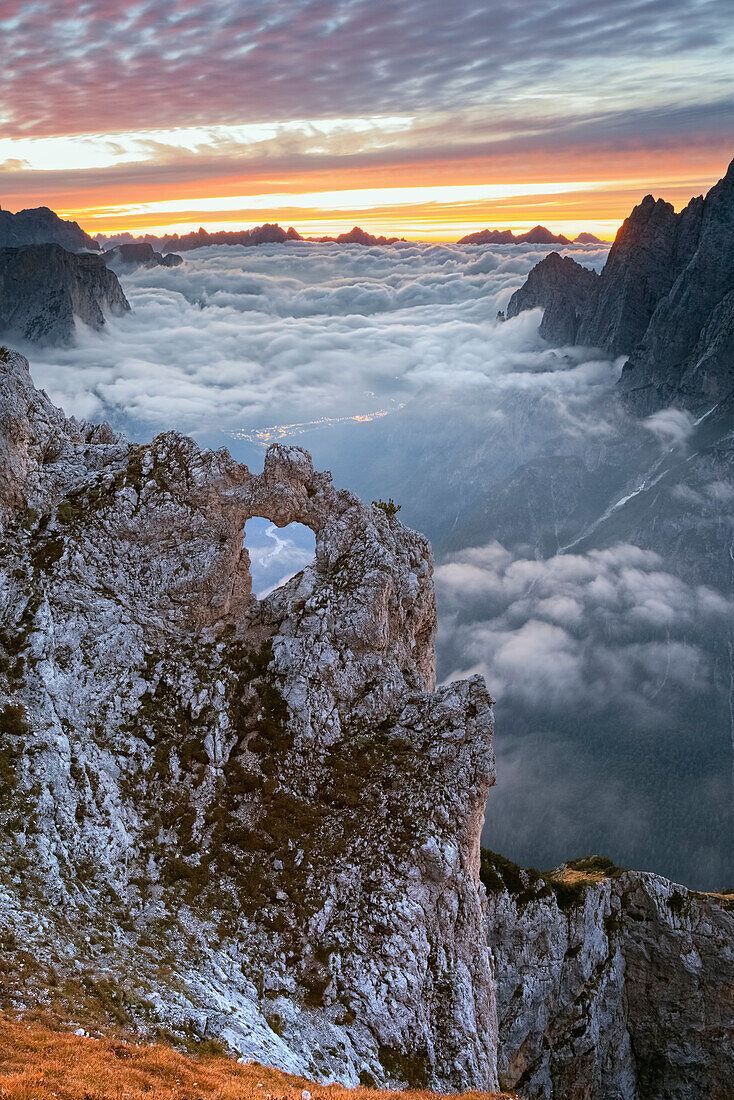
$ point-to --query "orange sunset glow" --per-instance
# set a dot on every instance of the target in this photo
(416, 203)
(163, 118)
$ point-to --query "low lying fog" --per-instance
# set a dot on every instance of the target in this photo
(252, 337)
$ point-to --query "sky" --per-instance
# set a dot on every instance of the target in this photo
(417, 117)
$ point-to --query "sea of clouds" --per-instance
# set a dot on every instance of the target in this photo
(249, 337)
(607, 664)
(568, 630)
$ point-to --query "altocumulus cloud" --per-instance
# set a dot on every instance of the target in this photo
(239, 337)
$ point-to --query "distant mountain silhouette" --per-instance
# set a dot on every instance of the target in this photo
(270, 233)
(538, 235)
(356, 236)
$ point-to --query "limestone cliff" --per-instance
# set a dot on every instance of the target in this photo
(562, 289)
(254, 820)
(686, 355)
(44, 290)
(611, 984)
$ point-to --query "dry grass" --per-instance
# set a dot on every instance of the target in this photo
(37, 1063)
(573, 877)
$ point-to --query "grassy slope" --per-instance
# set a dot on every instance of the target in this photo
(37, 1063)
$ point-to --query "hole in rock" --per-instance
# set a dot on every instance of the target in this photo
(276, 553)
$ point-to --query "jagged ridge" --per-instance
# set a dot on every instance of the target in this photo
(665, 298)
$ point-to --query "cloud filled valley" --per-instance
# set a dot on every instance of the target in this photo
(604, 636)
(252, 336)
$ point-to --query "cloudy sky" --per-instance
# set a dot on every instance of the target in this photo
(425, 118)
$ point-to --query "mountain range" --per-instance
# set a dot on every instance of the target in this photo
(259, 234)
(538, 235)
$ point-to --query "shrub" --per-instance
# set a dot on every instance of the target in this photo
(596, 865)
(676, 903)
(13, 720)
(568, 894)
(389, 507)
(69, 511)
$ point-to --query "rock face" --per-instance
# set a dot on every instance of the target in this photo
(643, 262)
(686, 355)
(563, 289)
(42, 226)
(665, 298)
(611, 985)
(253, 820)
(139, 254)
(44, 289)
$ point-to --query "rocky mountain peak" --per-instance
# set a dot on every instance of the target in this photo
(562, 288)
(42, 226)
(665, 298)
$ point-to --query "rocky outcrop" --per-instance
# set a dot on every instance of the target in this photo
(664, 298)
(611, 984)
(42, 226)
(563, 289)
(44, 290)
(139, 254)
(251, 820)
(259, 821)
